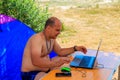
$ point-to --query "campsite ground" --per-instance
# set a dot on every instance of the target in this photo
(86, 26)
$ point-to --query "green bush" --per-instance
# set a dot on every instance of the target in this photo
(27, 11)
(0, 6)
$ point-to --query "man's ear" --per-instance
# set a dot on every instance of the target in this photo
(48, 28)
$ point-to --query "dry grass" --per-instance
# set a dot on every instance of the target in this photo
(87, 26)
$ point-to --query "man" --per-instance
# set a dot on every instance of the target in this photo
(36, 61)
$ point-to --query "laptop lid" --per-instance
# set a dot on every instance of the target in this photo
(98, 48)
(97, 51)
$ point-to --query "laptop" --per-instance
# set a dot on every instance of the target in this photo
(83, 61)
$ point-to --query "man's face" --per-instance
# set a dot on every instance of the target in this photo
(55, 30)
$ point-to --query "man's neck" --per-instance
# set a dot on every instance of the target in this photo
(46, 36)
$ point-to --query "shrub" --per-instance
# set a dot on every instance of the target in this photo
(27, 11)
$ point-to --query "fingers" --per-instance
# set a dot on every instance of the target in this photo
(58, 61)
(65, 59)
(82, 49)
(62, 60)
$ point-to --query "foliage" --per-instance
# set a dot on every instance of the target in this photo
(27, 11)
(0, 6)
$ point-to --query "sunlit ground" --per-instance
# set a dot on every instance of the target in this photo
(87, 26)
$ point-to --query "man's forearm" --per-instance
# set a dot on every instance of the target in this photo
(44, 63)
(66, 51)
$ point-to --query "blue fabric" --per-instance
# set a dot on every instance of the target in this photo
(29, 75)
(13, 38)
(0, 28)
(52, 54)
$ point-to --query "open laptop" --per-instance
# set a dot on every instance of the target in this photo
(85, 61)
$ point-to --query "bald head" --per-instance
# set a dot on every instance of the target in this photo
(52, 21)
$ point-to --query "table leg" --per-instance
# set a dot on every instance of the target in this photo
(119, 73)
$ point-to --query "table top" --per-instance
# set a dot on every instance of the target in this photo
(81, 74)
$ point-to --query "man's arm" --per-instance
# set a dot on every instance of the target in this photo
(36, 54)
(66, 51)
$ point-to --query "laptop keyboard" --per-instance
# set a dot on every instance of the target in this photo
(77, 60)
(85, 61)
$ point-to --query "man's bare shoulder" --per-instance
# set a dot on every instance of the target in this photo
(37, 36)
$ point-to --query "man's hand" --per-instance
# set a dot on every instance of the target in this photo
(81, 48)
(59, 61)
